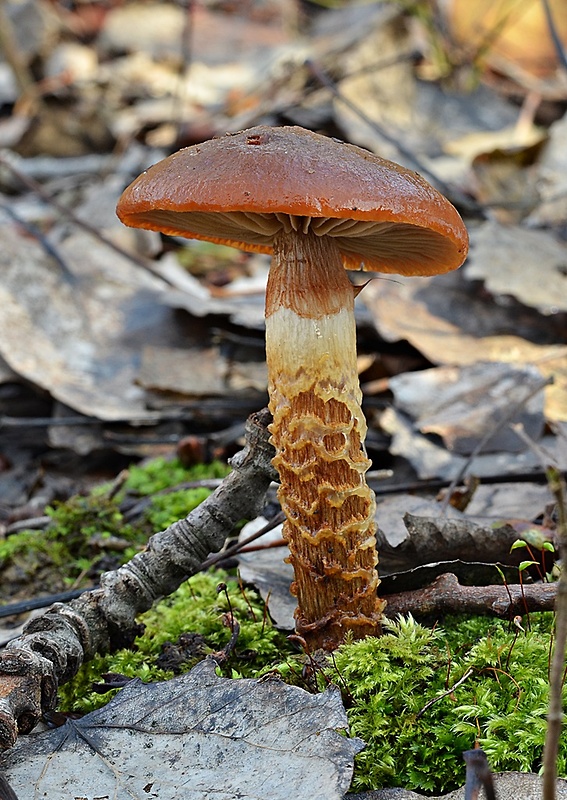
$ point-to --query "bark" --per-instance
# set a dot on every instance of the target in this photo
(52, 647)
(556, 717)
(447, 596)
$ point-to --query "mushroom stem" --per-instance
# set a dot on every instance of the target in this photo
(318, 432)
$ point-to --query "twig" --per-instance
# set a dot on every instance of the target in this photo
(49, 248)
(24, 606)
(434, 700)
(52, 647)
(558, 489)
(239, 546)
(555, 716)
(446, 595)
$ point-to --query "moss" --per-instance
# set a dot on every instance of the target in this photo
(162, 473)
(165, 509)
(197, 607)
(396, 690)
(402, 691)
(88, 533)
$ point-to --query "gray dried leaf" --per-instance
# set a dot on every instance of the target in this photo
(198, 372)
(196, 736)
(527, 264)
(431, 460)
(76, 332)
(269, 573)
(466, 405)
(551, 178)
(450, 327)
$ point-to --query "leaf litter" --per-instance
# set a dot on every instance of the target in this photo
(511, 323)
(194, 736)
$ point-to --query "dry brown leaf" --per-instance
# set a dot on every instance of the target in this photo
(527, 264)
(475, 404)
(401, 312)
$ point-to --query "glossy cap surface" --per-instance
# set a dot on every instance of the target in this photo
(243, 188)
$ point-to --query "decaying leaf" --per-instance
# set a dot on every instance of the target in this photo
(197, 372)
(412, 530)
(509, 500)
(73, 336)
(551, 178)
(431, 460)
(504, 182)
(387, 92)
(437, 317)
(101, 339)
(196, 736)
(474, 405)
(267, 571)
(529, 265)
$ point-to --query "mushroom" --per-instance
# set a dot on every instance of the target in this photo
(318, 206)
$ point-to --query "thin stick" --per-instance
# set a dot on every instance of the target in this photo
(555, 716)
(434, 700)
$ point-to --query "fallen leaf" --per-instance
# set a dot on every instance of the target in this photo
(509, 500)
(431, 460)
(438, 319)
(504, 182)
(268, 572)
(551, 178)
(77, 333)
(195, 372)
(529, 265)
(196, 736)
(469, 405)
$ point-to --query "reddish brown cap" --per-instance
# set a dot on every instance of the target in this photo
(243, 188)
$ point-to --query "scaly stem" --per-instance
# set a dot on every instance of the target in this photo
(318, 433)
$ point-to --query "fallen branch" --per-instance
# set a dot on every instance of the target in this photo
(52, 647)
(446, 596)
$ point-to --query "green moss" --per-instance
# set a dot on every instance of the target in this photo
(395, 688)
(84, 530)
(197, 607)
(162, 473)
(165, 509)
(389, 685)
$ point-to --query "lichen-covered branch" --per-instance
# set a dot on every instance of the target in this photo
(52, 647)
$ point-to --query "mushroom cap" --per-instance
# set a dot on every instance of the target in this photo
(244, 188)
